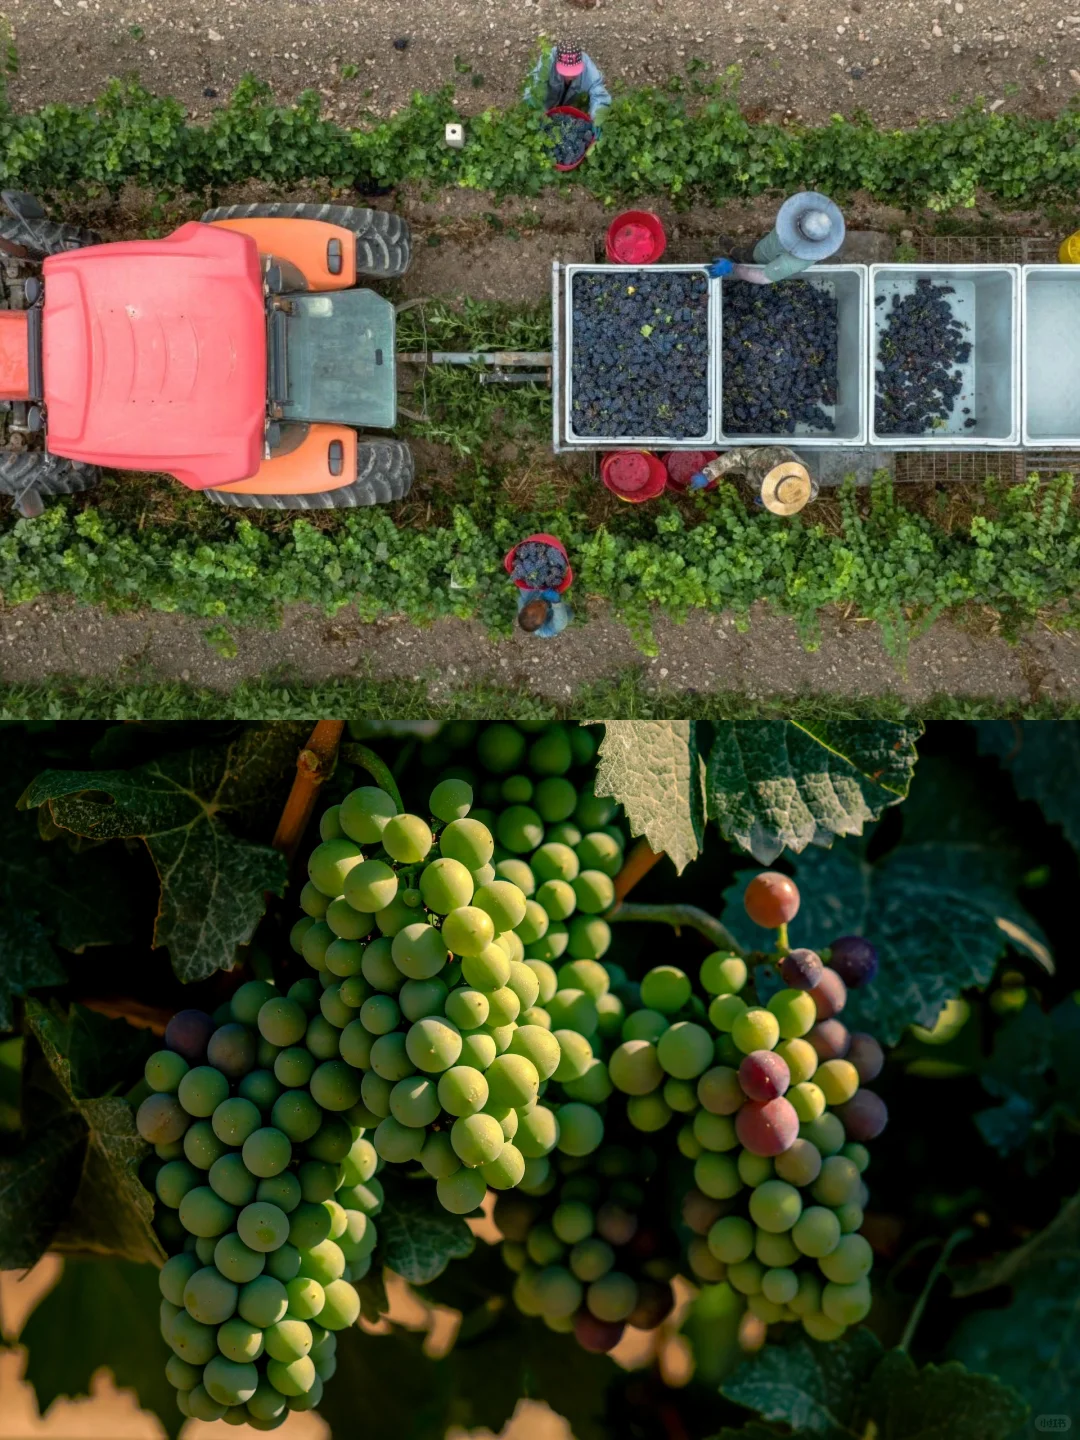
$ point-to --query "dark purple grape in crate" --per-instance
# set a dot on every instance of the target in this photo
(918, 349)
(855, 960)
(640, 356)
(779, 357)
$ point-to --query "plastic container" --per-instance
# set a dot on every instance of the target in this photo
(986, 299)
(581, 115)
(683, 465)
(556, 544)
(655, 442)
(849, 415)
(1050, 350)
(636, 237)
(1069, 253)
(633, 475)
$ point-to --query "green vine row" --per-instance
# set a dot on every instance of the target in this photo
(884, 561)
(687, 140)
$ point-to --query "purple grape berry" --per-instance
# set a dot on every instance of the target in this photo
(855, 960)
(188, 1033)
(801, 969)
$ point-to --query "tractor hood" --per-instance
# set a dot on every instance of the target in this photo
(340, 350)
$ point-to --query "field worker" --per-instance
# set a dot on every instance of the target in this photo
(809, 230)
(539, 568)
(570, 78)
(543, 612)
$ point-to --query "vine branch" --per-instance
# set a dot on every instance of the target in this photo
(687, 917)
(314, 764)
(635, 867)
(122, 1007)
(955, 1239)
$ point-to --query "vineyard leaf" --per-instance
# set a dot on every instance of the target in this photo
(212, 881)
(1031, 1343)
(1034, 1070)
(939, 1400)
(374, 1302)
(36, 1186)
(654, 771)
(29, 960)
(937, 914)
(110, 1211)
(571, 1380)
(809, 1385)
(1044, 762)
(418, 1239)
(774, 784)
(400, 1390)
(101, 1313)
(851, 1388)
(104, 1054)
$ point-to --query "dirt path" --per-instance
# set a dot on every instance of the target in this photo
(706, 655)
(896, 59)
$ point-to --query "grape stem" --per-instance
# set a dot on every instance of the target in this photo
(782, 946)
(313, 765)
(635, 867)
(376, 768)
(956, 1238)
(680, 917)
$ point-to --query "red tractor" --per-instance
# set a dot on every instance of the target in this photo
(238, 354)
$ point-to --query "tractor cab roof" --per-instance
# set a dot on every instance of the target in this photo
(154, 355)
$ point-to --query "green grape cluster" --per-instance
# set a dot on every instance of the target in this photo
(433, 937)
(590, 1248)
(767, 1103)
(266, 1191)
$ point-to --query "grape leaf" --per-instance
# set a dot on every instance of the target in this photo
(654, 771)
(1031, 1343)
(938, 914)
(29, 960)
(101, 1313)
(36, 1186)
(418, 1238)
(104, 1054)
(809, 1385)
(402, 1391)
(1034, 1069)
(774, 784)
(109, 1211)
(852, 1388)
(1044, 762)
(213, 881)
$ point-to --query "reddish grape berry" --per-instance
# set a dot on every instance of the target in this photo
(867, 1056)
(801, 969)
(700, 1212)
(598, 1336)
(864, 1116)
(188, 1033)
(830, 995)
(764, 1075)
(771, 899)
(831, 1039)
(615, 1225)
(769, 1128)
(655, 1302)
(855, 960)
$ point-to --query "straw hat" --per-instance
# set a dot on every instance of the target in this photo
(787, 488)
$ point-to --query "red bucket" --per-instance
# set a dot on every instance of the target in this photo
(636, 237)
(683, 465)
(633, 475)
(581, 115)
(556, 543)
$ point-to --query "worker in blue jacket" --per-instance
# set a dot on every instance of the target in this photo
(564, 75)
(543, 612)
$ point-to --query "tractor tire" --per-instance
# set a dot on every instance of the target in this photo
(385, 474)
(53, 238)
(29, 476)
(383, 241)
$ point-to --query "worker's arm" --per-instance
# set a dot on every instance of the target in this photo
(592, 83)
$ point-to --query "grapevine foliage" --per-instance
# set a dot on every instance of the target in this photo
(660, 1107)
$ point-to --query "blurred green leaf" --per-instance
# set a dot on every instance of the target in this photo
(101, 1313)
(417, 1237)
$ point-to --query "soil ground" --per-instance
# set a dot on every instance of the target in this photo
(708, 654)
(899, 60)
